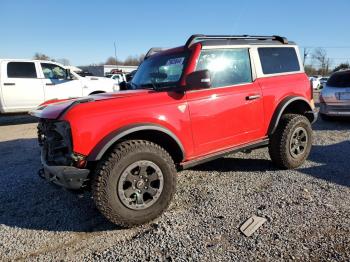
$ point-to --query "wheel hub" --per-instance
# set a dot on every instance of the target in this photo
(298, 142)
(140, 185)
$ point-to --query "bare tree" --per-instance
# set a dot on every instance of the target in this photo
(341, 66)
(133, 60)
(40, 56)
(320, 56)
(130, 60)
(111, 61)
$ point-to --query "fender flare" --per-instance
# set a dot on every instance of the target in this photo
(282, 106)
(100, 149)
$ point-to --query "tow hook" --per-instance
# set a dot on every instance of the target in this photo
(41, 173)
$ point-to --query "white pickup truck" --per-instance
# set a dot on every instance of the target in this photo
(24, 84)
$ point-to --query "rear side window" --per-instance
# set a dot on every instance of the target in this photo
(21, 70)
(341, 79)
(227, 66)
(276, 60)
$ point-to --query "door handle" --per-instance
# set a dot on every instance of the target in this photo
(9, 84)
(252, 97)
(50, 84)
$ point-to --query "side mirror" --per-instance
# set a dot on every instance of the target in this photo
(198, 80)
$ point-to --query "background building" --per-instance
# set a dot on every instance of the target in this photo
(102, 70)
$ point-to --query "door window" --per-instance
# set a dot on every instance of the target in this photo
(21, 70)
(227, 66)
(52, 71)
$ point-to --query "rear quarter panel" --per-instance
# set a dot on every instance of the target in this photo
(276, 88)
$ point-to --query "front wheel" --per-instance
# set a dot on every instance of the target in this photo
(290, 144)
(135, 183)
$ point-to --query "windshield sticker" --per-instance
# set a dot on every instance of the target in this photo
(175, 61)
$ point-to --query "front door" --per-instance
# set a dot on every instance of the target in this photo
(231, 111)
(58, 85)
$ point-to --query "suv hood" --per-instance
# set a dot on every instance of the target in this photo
(53, 109)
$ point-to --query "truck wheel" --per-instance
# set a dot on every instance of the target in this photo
(290, 144)
(135, 183)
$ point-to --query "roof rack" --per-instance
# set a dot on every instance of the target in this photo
(153, 51)
(196, 38)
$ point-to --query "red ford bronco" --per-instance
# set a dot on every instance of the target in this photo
(187, 105)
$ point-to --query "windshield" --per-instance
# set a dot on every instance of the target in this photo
(158, 71)
(340, 79)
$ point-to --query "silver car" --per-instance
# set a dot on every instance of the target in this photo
(335, 96)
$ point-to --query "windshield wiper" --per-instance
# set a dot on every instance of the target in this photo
(150, 86)
(154, 84)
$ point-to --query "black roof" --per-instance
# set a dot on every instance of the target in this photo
(212, 40)
(215, 40)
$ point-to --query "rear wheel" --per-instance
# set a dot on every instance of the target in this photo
(290, 144)
(135, 183)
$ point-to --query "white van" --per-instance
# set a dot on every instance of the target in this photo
(24, 84)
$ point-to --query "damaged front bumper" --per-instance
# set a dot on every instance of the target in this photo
(69, 177)
(60, 164)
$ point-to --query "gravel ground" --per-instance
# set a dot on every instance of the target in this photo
(307, 210)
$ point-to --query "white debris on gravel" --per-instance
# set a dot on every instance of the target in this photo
(307, 210)
(251, 225)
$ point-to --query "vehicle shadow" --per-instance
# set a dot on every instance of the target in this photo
(334, 164)
(336, 123)
(233, 164)
(16, 119)
(28, 201)
(332, 161)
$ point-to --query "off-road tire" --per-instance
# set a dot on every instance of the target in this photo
(110, 169)
(279, 147)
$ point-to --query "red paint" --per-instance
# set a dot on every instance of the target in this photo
(204, 121)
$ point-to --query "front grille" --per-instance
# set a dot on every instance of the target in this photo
(55, 139)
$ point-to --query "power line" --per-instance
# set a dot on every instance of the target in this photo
(326, 47)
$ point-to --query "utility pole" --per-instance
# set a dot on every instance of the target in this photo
(306, 53)
(115, 53)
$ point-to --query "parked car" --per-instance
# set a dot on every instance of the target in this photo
(323, 81)
(120, 77)
(315, 82)
(191, 104)
(335, 96)
(24, 84)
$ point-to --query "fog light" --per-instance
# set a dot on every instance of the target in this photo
(79, 160)
(81, 163)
